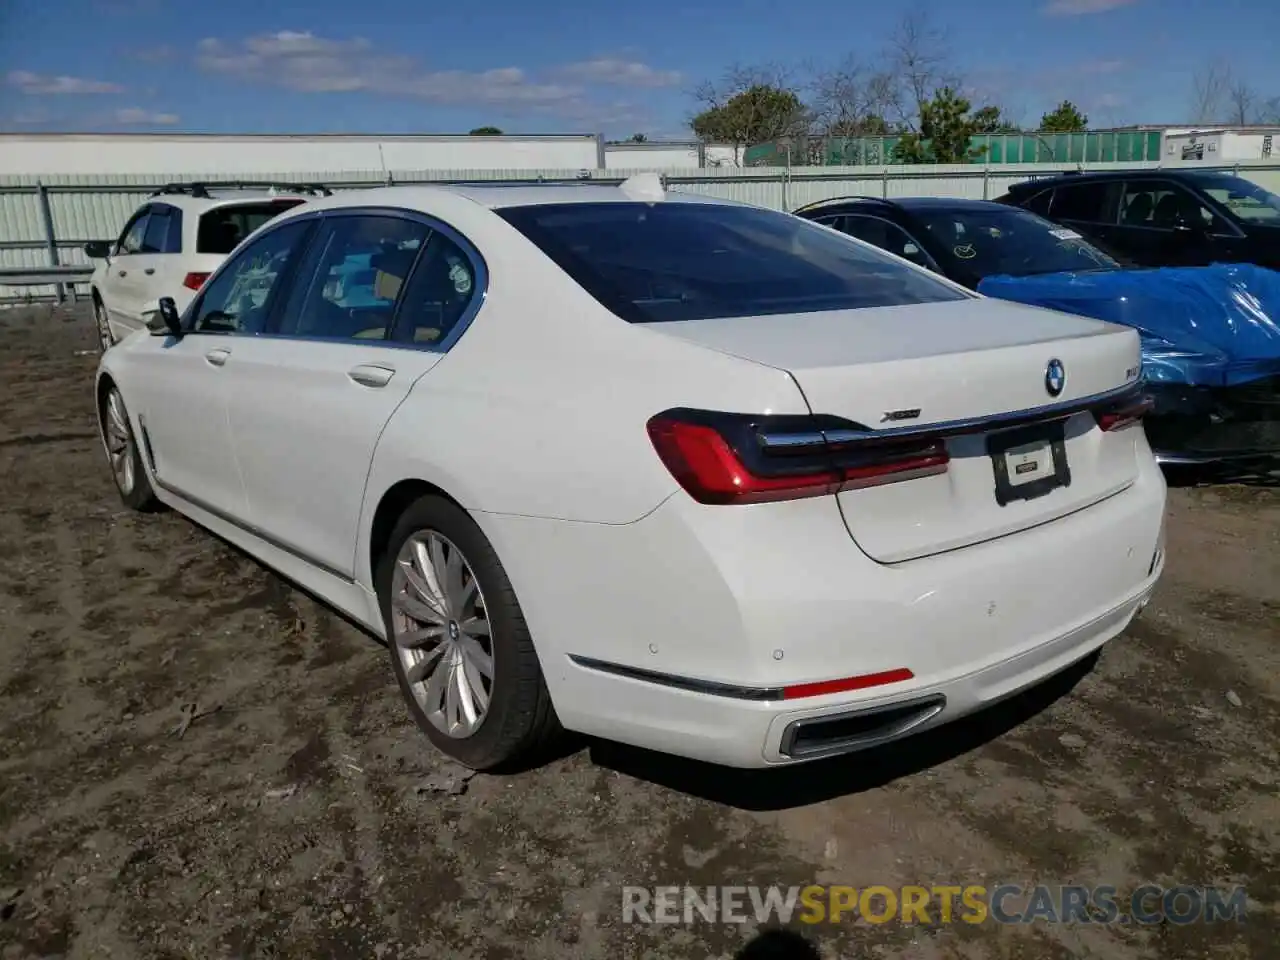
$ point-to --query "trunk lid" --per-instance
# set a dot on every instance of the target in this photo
(907, 368)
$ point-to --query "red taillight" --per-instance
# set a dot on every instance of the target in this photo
(706, 464)
(823, 687)
(1123, 416)
(194, 281)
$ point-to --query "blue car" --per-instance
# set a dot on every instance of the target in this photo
(1210, 335)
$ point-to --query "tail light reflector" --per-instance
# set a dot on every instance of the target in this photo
(722, 459)
(1109, 420)
(194, 281)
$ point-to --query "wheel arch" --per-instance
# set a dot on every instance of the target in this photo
(394, 501)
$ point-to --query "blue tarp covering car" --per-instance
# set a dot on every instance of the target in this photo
(1210, 346)
(1213, 326)
(1210, 335)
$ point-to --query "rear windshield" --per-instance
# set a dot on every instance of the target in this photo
(996, 240)
(690, 261)
(222, 228)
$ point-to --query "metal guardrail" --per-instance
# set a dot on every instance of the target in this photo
(65, 277)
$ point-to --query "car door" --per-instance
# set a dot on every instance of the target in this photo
(1091, 209)
(154, 267)
(120, 287)
(373, 304)
(185, 389)
(1162, 224)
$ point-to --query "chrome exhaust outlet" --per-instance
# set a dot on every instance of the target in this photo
(848, 730)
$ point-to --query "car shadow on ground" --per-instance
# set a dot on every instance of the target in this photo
(820, 780)
(778, 945)
(1261, 474)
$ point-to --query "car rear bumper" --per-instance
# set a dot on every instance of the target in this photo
(1192, 424)
(677, 632)
(743, 733)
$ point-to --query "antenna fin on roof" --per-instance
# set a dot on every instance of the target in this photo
(644, 186)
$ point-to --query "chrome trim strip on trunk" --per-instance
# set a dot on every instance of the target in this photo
(951, 428)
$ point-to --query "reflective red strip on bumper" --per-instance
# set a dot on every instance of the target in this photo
(823, 687)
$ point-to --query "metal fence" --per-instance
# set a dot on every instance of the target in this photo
(45, 221)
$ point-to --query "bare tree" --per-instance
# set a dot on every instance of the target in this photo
(1241, 104)
(1269, 112)
(919, 60)
(1210, 85)
(850, 99)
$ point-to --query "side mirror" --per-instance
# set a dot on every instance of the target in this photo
(170, 321)
(97, 249)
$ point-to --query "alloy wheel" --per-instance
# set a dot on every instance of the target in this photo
(441, 633)
(119, 443)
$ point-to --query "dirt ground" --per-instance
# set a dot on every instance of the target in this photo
(294, 817)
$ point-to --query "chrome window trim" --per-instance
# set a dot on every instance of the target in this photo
(479, 267)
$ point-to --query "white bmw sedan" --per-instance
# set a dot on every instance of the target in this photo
(664, 469)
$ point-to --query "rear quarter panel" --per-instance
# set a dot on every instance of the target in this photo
(540, 409)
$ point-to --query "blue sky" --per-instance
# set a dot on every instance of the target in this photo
(393, 66)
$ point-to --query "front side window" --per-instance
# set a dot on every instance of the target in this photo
(240, 297)
(1159, 205)
(671, 261)
(134, 234)
(359, 267)
(1009, 241)
(156, 238)
(1244, 198)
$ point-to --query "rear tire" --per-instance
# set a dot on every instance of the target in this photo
(450, 615)
(123, 455)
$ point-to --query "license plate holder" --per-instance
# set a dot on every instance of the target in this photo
(1029, 462)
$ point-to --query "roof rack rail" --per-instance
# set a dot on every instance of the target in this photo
(830, 200)
(201, 188)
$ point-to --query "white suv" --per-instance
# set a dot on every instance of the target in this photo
(173, 242)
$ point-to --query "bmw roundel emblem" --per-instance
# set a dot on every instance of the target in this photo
(1055, 377)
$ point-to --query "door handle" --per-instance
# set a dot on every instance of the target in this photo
(149, 271)
(217, 357)
(371, 375)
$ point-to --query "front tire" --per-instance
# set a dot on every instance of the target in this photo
(106, 339)
(123, 455)
(460, 648)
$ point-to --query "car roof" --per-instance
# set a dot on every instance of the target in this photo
(496, 196)
(902, 203)
(1161, 173)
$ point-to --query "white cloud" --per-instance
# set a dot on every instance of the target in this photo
(39, 84)
(1076, 8)
(305, 62)
(137, 116)
(608, 71)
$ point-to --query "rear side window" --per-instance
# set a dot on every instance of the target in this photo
(1086, 202)
(690, 261)
(1039, 203)
(222, 228)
